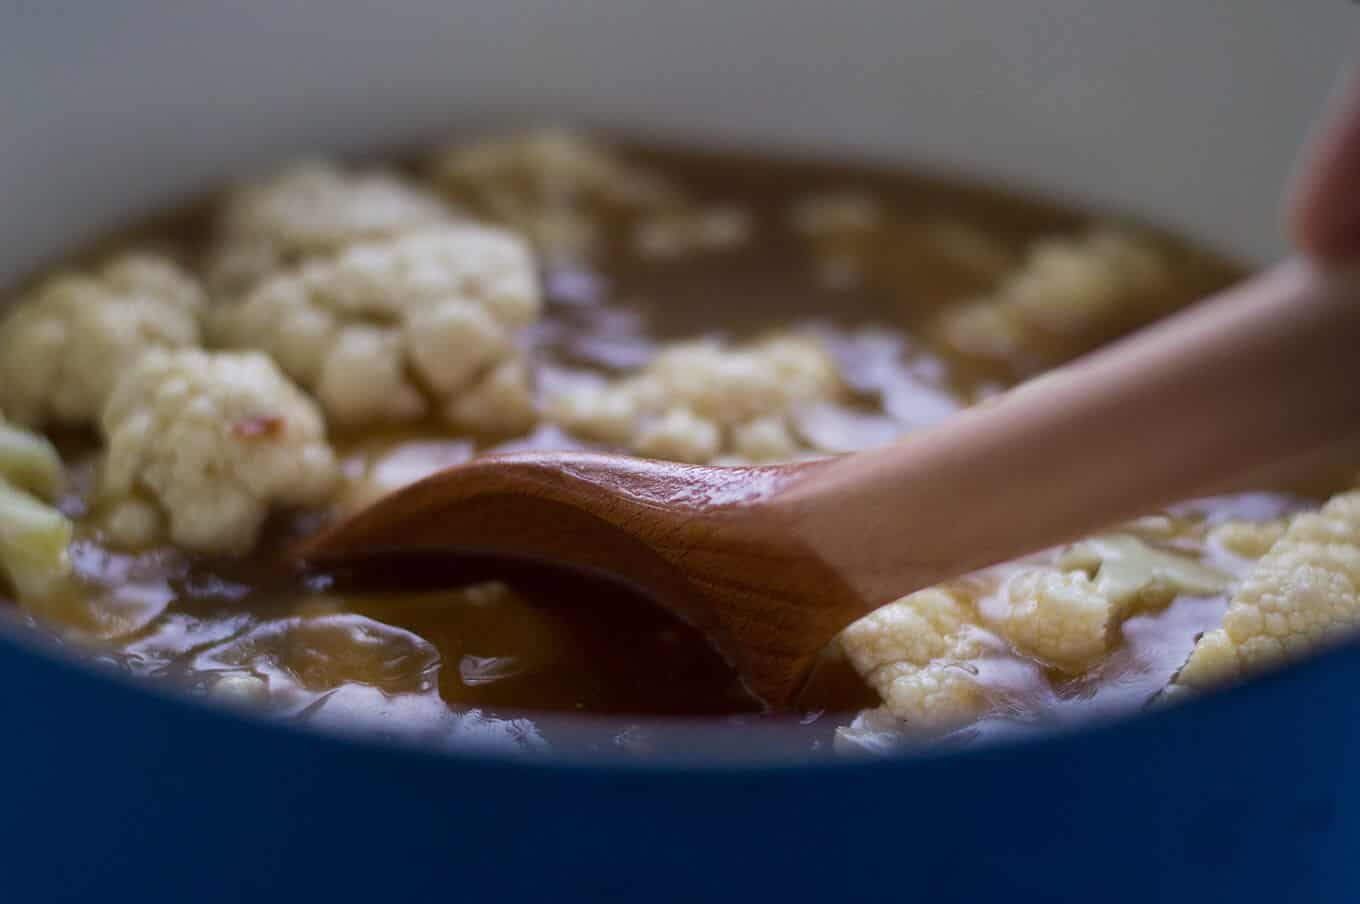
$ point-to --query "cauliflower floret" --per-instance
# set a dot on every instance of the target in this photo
(1067, 615)
(700, 402)
(311, 208)
(1057, 616)
(212, 441)
(555, 188)
(1303, 594)
(387, 330)
(916, 653)
(1068, 296)
(65, 344)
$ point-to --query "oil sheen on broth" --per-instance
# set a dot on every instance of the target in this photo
(927, 294)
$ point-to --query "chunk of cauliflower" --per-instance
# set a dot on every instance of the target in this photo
(1068, 296)
(1134, 575)
(1057, 616)
(1249, 539)
(386, 331)
(210, 442)
(34, 535)
(557, 189)
(29, 461)
(34, 539)
(65, 343)
(917, 653)
(1303, 594)
(1067, 615)
(700, 402)
(308, 209)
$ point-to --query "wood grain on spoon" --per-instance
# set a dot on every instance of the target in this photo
(773, 561)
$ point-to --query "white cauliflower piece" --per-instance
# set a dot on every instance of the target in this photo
(380, 466)
(34, 542)
(29, 461)
(34, 535)
(500, 402)
(680, 435)
(213, 441)
(700, 402)
(312, 208)
(917, 653)
(735, 386)
(1249, 539)
(1134, 575)
(1058, 616)
(64, 345)
(764, 439)
(557, 189)
(1068, 296)
(131, 523)
(1067, 616)
(1302, 595)
(388, 330)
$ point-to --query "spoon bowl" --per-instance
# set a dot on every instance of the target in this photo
(696, 539)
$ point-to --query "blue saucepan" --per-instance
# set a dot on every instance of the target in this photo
(1188, 113)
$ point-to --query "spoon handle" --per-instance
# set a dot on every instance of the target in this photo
(1259, 374)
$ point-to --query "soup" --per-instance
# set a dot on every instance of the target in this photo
(220, 382)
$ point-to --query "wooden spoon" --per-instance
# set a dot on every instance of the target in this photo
(773, 561)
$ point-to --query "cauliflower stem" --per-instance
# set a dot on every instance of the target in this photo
(34, 537)
(29, 462)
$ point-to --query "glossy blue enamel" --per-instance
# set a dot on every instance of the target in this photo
(115, 793)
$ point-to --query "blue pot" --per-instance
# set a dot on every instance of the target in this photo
(1188, 113)
(117, 793)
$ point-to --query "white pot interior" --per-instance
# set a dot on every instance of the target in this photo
(1186, 113)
